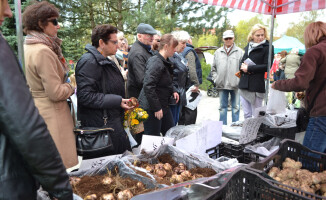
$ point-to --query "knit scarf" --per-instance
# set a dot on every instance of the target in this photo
(253, 45)
(53, 43)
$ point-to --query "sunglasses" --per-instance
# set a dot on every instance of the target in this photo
(228, 38)
(54, 21)
(158, 40)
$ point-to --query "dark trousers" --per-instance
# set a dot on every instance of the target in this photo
(154, 126)
(188, 116)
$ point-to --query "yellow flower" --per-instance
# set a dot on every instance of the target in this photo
(145, 116)
(133, 115)
(134, 122)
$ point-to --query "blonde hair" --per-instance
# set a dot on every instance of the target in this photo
(313, 33)
(255, 28)
(73, 80)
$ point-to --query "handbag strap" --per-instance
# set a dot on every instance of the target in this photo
(315, 97)
(105, 113)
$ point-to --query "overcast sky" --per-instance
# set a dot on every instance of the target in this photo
(282, 20)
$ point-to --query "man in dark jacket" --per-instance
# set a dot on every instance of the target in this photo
(28, 155)
(139, 53)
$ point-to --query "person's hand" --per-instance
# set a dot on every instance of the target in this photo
(124, 104)
(244, 67)
(273, 85)
(196, 89)
(159, 114)
(176, 97)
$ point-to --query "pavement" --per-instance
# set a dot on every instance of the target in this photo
(208, 109)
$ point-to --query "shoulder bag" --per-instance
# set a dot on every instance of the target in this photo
(93, 142)
(303, 114)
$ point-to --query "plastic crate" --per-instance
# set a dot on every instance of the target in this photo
(235, 151)
(246, 184)
(311, 160)
(285, 133)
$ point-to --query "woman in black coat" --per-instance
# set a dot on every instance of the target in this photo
(253, 67)
(180, 73)
(92, 70)
(158, 88)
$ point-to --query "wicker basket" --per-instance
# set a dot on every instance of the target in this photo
(136, 128)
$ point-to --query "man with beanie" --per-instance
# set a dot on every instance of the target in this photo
(139, 53)
(225, 66)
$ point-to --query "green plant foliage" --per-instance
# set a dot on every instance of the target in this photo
(206, 68)
(243, 28)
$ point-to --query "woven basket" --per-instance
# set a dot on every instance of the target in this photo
(136, 128)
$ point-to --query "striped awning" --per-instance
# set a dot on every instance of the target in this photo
(265, 6)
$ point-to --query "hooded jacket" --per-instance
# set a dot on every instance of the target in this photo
(28, 155)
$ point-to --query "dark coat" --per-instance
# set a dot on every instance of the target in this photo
(310, 77)
(254, 80)
(158, 86)
(90, 71)
(28, 155)
(180, 77)
(137, 59)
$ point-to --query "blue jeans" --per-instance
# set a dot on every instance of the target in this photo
(315, 138)
(224, 101)
(175, 110)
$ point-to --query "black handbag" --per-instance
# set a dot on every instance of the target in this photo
(93, 142)
(303, 114)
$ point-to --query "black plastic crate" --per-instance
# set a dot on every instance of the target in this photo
(235, 151)
(285, 133)
(311, 160)
(246, 184)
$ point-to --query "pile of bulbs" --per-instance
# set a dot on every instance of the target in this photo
(179, 173)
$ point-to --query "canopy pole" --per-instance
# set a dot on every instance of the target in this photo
(269, 64)
(19, 33)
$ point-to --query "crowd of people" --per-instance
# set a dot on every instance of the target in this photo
(36, 126)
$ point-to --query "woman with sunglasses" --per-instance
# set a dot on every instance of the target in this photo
(253, 67)
(28, 155)
(46, 74)
(100, 86)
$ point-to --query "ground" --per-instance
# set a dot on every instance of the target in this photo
(208, 109)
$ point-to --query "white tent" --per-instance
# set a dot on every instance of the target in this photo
(269, 7)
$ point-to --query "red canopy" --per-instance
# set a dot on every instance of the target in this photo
(265, 6)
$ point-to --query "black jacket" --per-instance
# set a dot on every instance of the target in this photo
(254, 80)
(180, 77)
(158, 86)
(137, 59)
(28, 155)
(91, 100)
